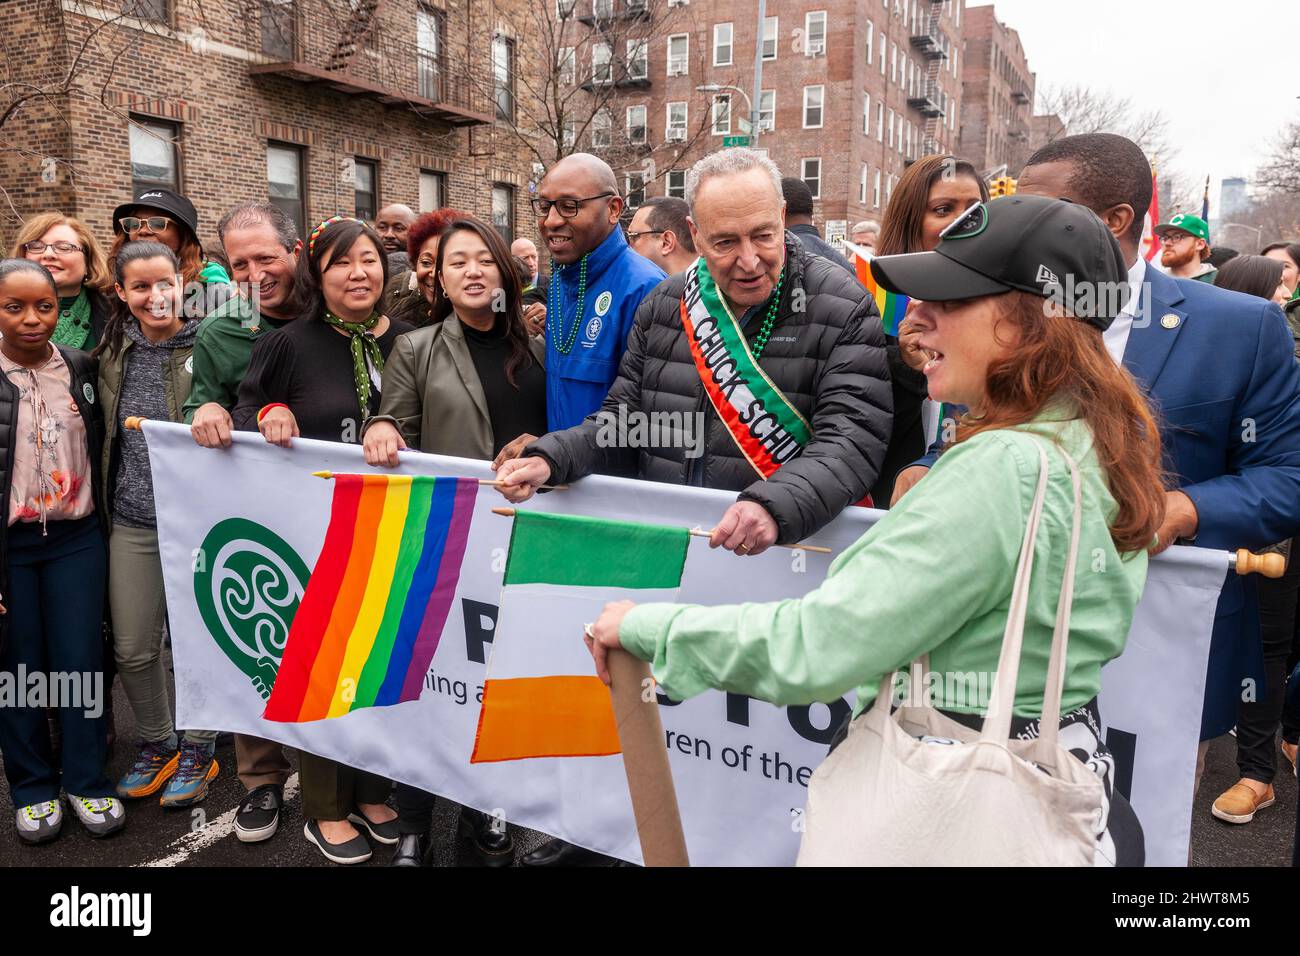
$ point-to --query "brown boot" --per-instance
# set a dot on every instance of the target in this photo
(1240, 802)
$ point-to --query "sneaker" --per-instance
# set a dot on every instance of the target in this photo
(39, 822)
(259, 815)
(154, 765)
(194, 769)
(356, 850)
(101, 816)
(1239, 803)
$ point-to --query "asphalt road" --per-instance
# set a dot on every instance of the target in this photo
(203, 835)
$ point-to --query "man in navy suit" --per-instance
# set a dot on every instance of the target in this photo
(1218, 368)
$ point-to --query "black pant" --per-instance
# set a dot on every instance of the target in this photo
(1257, 721)
(414, 808)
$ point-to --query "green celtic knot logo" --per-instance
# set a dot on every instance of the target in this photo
(248, 583)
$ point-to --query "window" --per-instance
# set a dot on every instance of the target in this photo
(604, 9)
(284, 182)
(883, 41)
(155, 155)
(157, 11)
(890, 142)
(676, 184)
(722, 33)
(367, 189)
(638, 60)
(428, 52)
(767, 111)
(770, 37)
(636, 131)
(433, 190)
(503, 76)
(814, 31)
(679, 50)
(600, 127)
(866, 113)
(569, 132)
(722, 114)
(600, 68)
(564, 9)
(889, 188)
(811, 174)
(675, 126)
(812, 106)
(871, 42)
(635, 190)
(503, 211)
(567, 66)
(893, 63)
(880, 122)
(875, 191)
(278, 33)
(862, 185)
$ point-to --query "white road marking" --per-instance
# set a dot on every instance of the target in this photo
(218, 829)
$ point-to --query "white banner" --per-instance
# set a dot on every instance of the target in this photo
(240, 528)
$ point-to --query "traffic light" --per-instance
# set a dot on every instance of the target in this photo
(1002, 186)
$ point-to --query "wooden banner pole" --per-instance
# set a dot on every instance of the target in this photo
(645, 759)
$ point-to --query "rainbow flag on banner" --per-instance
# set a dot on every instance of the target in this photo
(542, 697)
(378, 598)
(891, 306)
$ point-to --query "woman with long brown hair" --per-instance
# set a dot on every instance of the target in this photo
(69, 252)
(466, 385)
(933, 192)
(936, 575)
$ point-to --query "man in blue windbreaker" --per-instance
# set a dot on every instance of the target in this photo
(597, 282)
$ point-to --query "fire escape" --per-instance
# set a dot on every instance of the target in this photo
(928, 40)
(343, 46)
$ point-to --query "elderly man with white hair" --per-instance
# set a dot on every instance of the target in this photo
(778, 356)
(865, 234)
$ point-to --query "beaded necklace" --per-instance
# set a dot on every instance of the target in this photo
(564, 342)
(769, 320)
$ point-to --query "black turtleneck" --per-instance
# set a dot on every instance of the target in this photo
(512, 409)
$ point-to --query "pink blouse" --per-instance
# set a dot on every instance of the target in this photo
(51, 468)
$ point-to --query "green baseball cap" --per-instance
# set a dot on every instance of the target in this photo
(1194, 225)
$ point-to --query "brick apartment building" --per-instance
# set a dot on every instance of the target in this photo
(997, 104)
(852, 90)
(322, 106)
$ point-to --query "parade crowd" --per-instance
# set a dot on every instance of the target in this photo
(1008, 417)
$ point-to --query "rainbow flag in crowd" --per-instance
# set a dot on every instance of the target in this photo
(377, 600)
(891, 306)
(542, 697)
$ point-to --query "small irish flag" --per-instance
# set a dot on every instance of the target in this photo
(377, 600)
(542, 697)
(891, 306)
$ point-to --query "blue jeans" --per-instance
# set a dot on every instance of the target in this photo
(55, 606)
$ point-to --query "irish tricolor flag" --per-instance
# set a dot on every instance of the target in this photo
(542, 697)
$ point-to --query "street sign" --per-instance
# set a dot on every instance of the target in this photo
(729, 141)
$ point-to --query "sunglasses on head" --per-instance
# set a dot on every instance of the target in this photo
(155, 223)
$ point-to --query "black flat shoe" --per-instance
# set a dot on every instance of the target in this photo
(356, 850)
(387, 832)
(495, 847)
(412, 850)
(559, 853)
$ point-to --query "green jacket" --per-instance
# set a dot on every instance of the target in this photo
(221, 352)
(933, 575)
(1292, 312)
(177, 380)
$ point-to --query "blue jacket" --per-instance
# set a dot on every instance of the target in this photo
(617, 280)
(1226, 387)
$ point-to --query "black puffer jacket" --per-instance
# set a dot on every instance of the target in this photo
(828, 359)
(84, 373)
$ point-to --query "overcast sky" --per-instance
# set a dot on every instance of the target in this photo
(1226, 74)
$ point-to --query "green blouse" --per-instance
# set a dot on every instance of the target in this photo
(934, 574)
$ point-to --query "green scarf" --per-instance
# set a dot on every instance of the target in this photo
(73, 328)
(364, 345)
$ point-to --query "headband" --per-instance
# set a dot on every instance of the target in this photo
(325, 224)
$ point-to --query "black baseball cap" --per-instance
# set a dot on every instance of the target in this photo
(174, 204)
(1048, 247)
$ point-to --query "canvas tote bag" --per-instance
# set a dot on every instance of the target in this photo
(884, 797)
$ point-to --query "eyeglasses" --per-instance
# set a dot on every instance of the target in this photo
(155, 223)
(1169, 238)
(568, 208)
(634, 236)
(63, 248)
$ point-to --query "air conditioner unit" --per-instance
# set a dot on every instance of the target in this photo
(766, 126)
(676, 134)
(816, 47)
(676, 68)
